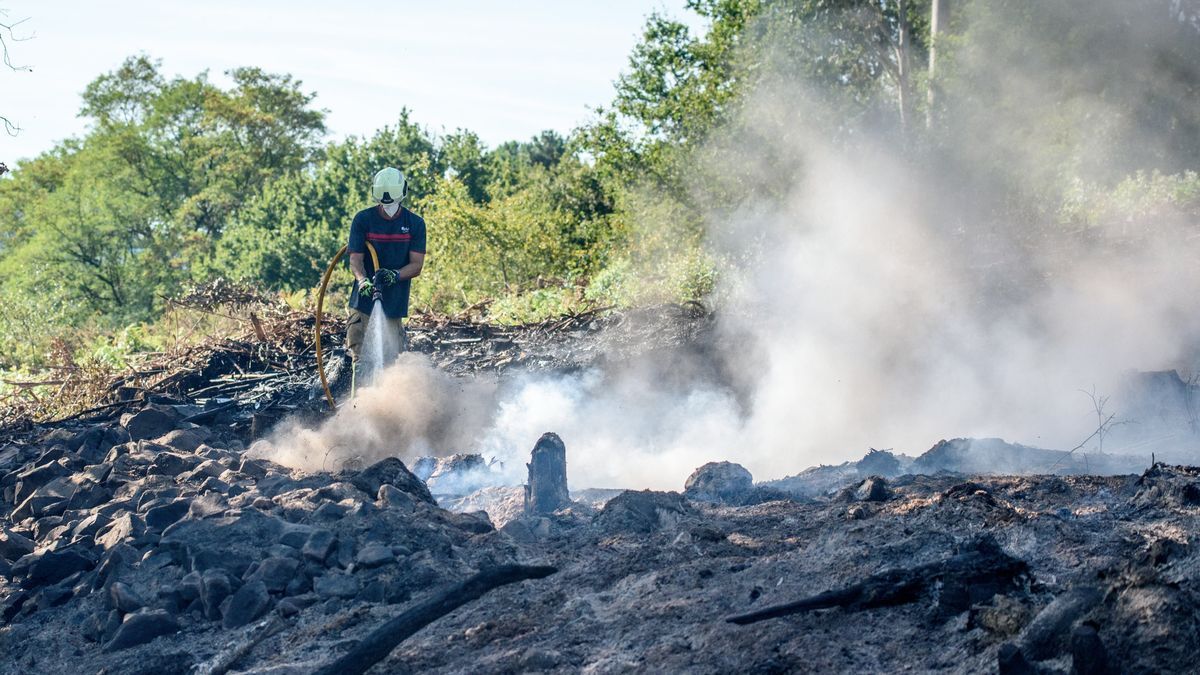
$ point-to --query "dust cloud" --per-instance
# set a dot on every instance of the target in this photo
(866, 300)
(411, 410)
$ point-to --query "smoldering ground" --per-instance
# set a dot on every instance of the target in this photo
(867, 299)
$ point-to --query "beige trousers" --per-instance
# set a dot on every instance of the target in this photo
(356, 329)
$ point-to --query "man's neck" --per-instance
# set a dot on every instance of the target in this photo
(390, 210)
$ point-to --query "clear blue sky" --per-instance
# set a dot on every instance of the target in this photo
(504, 69)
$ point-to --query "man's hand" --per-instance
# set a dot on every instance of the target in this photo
(366, 288)
(385, 277)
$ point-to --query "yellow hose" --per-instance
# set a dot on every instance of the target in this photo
(320, 306)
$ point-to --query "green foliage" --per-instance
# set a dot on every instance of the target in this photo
(109, 224)
(1146, 204)
(533, 306)
(180, 180)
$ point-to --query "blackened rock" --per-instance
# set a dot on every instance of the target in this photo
(252, 468)
(30, 480)
(329, 511)
(142, 627)
(215, 587)
(13, 545)
(170, 464)
(124, 527)
(231, 540)
(295, 535)
(475, 522)
(114, 562)
(190, 586)
(644, 512)
(374, 555)
(89, 494)
(276, 572)
(208, 469)
(53, 566)
(1010, 661)
(98, 473)
(124, 599)
(151, 422)
(215, 485)
(88, 527)
(301, 583)
(719, 483)
(186, 440)
(202, 558)
(9, 606)
(160, 517)
(89, 444)
(519, 531)
(1088, 656)
(336, 585)
(207, 505)
(250, 602)
(112, 623)
(391, 471)
(295, 604)
(873, 489)
(58, 437)
(92, 629)
(393, 497)
(42, 527)
(37, 506)
(343, 555)
(319, 545)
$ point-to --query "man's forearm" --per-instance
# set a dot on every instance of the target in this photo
(356, 266)
(410, 271)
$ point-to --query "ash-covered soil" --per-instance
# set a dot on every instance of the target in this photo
(146, 543)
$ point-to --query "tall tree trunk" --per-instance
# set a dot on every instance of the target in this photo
(938, 13)
(904, 66)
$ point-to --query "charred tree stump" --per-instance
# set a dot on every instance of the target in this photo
(546, 491)
(376, 646)
(978, 572)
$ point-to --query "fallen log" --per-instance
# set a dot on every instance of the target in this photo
(376, 646)
(978, 572)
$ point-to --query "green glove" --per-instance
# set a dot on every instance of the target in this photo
(366, 288)
(386, 277)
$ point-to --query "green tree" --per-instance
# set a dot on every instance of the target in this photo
(111, 222)
(286, 234)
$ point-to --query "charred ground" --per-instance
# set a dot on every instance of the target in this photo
(138, 538)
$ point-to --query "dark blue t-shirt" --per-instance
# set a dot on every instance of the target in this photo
(393, 238)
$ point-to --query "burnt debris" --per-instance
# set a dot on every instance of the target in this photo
(546, 491)
(143, 537)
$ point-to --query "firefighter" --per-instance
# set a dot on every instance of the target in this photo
(398, 236)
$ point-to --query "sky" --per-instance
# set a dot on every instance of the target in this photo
(504, 69)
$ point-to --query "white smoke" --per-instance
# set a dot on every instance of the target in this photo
(875, 303)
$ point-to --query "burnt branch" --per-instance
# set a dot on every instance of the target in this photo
(376, 646)
(981, 570)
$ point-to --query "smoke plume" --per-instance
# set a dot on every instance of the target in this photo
(868, 300)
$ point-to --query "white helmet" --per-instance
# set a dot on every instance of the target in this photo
(390, 186)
